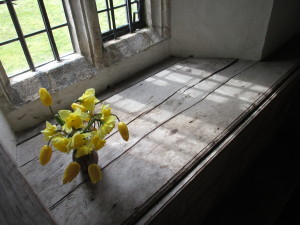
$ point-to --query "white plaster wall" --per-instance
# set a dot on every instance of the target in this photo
(284, 24)
(219, 28)
(7, 137)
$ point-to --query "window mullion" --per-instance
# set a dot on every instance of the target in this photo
(48, 29)
(20, 34)
(108, 15)
(68, 23)
(129, 17)
(113, 18)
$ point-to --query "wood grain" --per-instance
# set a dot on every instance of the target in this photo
(19, 204)
(50, 186)
(175, 117)
(143, 96)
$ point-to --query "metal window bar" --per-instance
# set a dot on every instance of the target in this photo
(48, 29)
(32, 34)
(129, 15)
(132, 22)
(113, 18)
(21, 38)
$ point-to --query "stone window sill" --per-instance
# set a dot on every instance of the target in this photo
(22, 91)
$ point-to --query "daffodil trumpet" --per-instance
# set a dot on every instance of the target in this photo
(82, 130)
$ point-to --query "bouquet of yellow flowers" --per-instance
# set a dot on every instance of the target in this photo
(80, 130)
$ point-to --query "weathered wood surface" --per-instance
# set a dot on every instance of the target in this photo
(204, 186)
(19, 204)
(103, 96)
(142, 124)
(143, 96)
(171, 128)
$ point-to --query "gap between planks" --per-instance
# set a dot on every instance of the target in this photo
(128, 158)
(76, 184)
(181, 93)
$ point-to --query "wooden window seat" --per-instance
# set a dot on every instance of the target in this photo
(194, 126)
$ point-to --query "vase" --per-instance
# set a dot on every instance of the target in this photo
(86, 160)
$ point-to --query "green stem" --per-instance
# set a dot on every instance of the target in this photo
(59, 120)
(51, 111)
(52, 138)
(116, 117)
(89, 125)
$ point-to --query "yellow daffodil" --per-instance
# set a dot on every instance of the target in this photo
(123, 130)
(88, 99)
(45, 97)
(82, 131)
(72, 119)
(83, 150)
(49, 131)
(97, 141)
(105, 111)
(108, 124)
(95, 173)
(71, 172)
(78, 140)
(45, 154)
(61, 143)
(75, 106)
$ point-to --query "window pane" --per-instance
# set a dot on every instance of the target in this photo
(134, 11)
(121, 16)
(12, 58)
(63, 41)
(29, 16)
(103, 20)
(55, 12)
(39, 48)
(119, 2)
(101, 4)
(7, 30)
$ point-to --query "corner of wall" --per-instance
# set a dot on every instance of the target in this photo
(7, 136)
(283, 25)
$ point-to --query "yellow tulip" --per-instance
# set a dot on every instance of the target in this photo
(71, 172)
(45, 154)
(95, 173)
(45, 97)
(123, 129)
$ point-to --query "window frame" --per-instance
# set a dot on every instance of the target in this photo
(48, 30)
(114, 32)
(91, 64)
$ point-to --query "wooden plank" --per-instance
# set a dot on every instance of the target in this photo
(143, 96)
(19, 204)
(226, 162)
(23, 136)
(134, 181)
(51, 190)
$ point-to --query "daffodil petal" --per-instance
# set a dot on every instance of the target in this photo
(64, 114)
